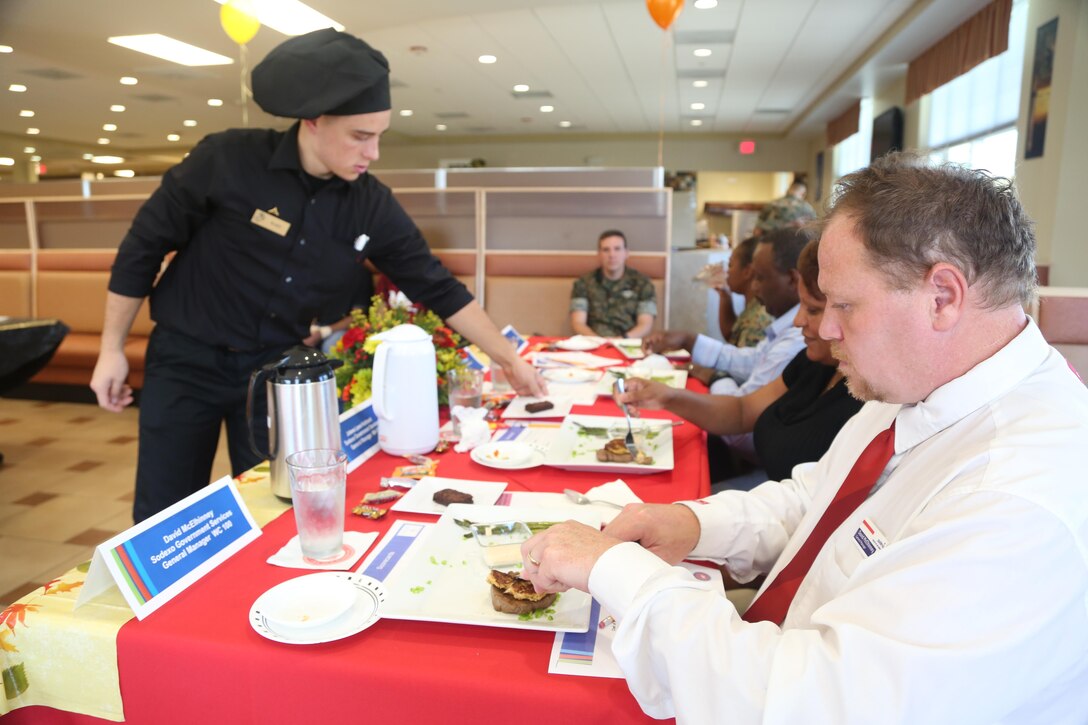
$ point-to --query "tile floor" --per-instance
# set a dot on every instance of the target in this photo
(65, 486)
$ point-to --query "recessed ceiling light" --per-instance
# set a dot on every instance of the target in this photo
(702, 52)
(33, 131)
(564, 124)
(29, 150)
(6, 49)
(698, 106)
(215, 102)
(109, 126)
(26, 114)
(290, 17)
(167, 48)
(699, 84)
(521, 88)
(487, 59)
(696, 122)
(88, 157)
(107, 160)
(17, 88)
(173, 137)
(124, 173)
(128, 81)
(35, 158)
(117, 108)
(406, 112)
(104, 141)
(705, 4)
(7, 161)
(189, 123)
(547, 109)
(440, 127)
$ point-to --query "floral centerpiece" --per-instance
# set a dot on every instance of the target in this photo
(356, 348)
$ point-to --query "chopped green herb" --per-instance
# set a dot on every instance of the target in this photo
(417, 590)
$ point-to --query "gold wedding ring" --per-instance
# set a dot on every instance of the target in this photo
(533, 561)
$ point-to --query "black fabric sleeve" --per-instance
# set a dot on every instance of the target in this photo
(165, 222)
(402, 255)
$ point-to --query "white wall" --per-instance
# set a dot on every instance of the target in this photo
(710, 152)
(1053, 187)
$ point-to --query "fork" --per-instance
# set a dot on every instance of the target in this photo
(629, 440)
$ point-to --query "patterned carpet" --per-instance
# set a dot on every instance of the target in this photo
(65, 487)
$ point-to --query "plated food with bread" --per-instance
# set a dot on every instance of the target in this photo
(596, 443)
(450, 573)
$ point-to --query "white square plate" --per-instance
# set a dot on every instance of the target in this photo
(574, 450)
(672, 378)
(629, 347)
(443, 577)
(420, 498)
(580, 343)
(560, 407)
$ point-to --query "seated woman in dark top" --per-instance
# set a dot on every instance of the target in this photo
(794, 417)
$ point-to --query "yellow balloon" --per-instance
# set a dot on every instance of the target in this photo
(239, 20)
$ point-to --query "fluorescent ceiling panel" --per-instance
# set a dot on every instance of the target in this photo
(167, 48)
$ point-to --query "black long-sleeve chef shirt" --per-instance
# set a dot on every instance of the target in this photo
(263, 248)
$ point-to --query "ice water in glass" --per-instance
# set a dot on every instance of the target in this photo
(318, 485)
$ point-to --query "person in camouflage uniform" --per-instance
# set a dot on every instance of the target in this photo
(613, 300)
(790, 211)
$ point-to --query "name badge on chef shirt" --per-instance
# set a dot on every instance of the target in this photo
(271, 222)
(869, 538)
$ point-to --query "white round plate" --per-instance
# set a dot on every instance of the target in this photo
(306, 602)
(509, 455)
(570, 375)
(580, 343)
(362, 612)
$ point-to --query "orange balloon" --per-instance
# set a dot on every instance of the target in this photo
(664, 12)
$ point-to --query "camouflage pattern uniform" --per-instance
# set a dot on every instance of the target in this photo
(612, 306)
(789, 211)
(751, 325)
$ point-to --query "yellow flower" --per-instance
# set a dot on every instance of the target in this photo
(371, 344)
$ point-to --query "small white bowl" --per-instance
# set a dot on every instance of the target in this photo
(308, 601)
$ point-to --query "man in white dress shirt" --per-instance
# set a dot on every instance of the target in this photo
(774, 284)
(958, 590)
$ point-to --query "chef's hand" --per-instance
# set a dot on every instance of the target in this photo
(668, 340)
(642, 393)
(669, 530)
(562, 556)
(108, 381)
(525, 379)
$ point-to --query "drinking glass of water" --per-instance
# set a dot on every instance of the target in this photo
(318, 479)
(466, 386)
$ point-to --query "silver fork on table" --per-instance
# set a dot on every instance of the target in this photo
(629, 440)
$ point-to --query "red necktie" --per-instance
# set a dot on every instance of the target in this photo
(774, 602)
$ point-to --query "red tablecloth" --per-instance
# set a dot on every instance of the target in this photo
(198, 660)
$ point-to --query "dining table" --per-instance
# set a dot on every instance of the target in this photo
(198, 658)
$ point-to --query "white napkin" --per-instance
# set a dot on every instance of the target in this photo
(290, 556)
(474, 429)
(652, 362)
(615, 491)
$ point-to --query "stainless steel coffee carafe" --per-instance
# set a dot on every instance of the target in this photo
(302, 409)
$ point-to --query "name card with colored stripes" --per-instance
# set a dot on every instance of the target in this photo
(158, 558)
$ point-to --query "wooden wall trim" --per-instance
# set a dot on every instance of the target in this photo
(565, 265)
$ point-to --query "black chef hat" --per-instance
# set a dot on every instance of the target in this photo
(325, 72)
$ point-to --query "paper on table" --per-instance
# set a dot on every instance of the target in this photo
(589, 653)
(355, 544)
(615, 491)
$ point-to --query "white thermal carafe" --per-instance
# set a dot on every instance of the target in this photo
(405, 391)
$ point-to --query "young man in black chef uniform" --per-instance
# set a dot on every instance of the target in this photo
(269, 228)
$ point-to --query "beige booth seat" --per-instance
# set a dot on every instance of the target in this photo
(15, 283)
(1062, 315)
(71, 286)
(532, 291)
